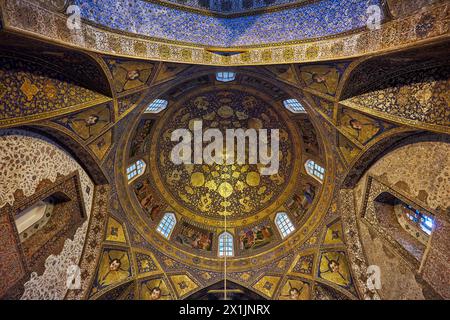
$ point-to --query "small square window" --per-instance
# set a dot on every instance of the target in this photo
(294, 106)
(157, 106)
(225, 76)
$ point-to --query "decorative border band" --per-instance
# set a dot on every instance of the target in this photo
(27, 18)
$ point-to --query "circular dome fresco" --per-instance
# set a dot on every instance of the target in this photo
(182, 204)
(208, 193)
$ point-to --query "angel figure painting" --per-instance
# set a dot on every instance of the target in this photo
(154, 289)
(114, 267)
(295, 289)
(334, 268)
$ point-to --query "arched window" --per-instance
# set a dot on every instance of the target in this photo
(419, 218)
(225, 76)
(157, 106)
(294, 106)
(407, 225)
(315, 170)
(135, 170)
(284, 224)
(35, 217)
(226, 245)
(166, 225)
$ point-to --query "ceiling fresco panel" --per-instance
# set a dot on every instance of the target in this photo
(113, 268)
(115, 231)
(361, 127)
(89, 123)
(319, 19)
(129, 74)
(30, 91)
(154, 289)
(295, 288)
(267, 285)
(102, 144)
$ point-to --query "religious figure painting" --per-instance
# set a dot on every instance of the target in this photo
(348, 150)
(114, 267)
(141, 138)
(129, 74)
(334, 268)
(88, 123)
(295, 289)
(361, 127)
(322, 78)
(324, 105)
(255, 237)
(308, 133)
(154, 289)
(148, 201)
(194, 237)
(301, 201)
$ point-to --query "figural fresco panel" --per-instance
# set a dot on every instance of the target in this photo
(129, 74)
(154, 289)
(88, 123)
(295, 289)
(114, 267)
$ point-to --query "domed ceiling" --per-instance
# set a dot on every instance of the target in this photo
(210, 198)
(359, 105)
(209, 192)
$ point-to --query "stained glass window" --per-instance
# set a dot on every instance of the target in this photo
(284, 224)
(315, 170)
(157, 106)
(225, 76)
(294, 105)
(225, 245)
(135, 170)
(424, 221)
(167, 224)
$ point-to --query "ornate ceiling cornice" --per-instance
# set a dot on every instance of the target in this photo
(423, 27)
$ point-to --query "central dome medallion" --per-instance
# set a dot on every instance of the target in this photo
(209, 192)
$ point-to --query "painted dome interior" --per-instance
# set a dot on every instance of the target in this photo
(110, 120)
(210, 198)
